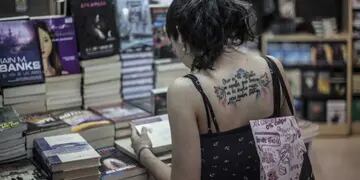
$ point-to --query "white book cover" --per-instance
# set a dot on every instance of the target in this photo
(65, 148)
(158, 131)
(336, 111)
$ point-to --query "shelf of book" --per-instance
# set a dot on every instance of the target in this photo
(306, 38)
(355, 127)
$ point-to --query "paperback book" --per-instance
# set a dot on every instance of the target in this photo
(20, 57)
(58, 45)
(95, 28)
(336, 111)
(316, 111)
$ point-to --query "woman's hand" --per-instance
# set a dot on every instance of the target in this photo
(140, 141)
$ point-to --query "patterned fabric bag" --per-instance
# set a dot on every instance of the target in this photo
(278, 140)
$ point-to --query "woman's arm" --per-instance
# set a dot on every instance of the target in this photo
(186, 163)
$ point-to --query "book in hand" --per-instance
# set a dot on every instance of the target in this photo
(66, 152)
(117, 165)
(120, 113)
(58, 45)
(22, 169)
(20, 57)
(158, 131)
(336, 111)
(95, 28)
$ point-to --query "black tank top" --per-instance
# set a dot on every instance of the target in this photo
(232, 155)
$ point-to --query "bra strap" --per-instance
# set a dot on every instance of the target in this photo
(276, 89)
(208, 108)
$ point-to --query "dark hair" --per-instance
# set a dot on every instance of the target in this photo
(54, 58)
(208, 26)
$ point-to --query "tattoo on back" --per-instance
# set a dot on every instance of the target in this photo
(242, 84)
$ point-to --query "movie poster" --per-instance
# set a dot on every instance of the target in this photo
(20, 58)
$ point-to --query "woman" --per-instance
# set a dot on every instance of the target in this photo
(51, 60)
(210, 109)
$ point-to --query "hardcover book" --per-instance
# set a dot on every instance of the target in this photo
(42, 122)
(58, 45)
(336, 111)
(23, 169)
(323, 83)
(316, 111)
(135, 28)
(120, 113)
(82, 120)
(309, 83)
(294, 78)
(162, 44)
(95, 28)
(114, 163)
(338, 83)
(20, 57)
(59, 152)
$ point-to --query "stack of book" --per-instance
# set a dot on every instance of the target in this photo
(97, 130)
(67, 157)
(60, 61)
(158, 132)
(115, 165)
(12, 142)
(98, 42)
(120, 114)
(168, 71)
(21, 76)
(136, 48)
(22, 169)
(42, 125)
(101, 81)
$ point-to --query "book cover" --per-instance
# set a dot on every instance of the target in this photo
(116, 163)
(135, 28)
(23, 169)
(42, 122)
(336, 111)
(162, 44)
(95, 28)
(9, 119)
(309, 83)
(316, 111)
(294, 78)
(323, 83)
(159, 100)
(82, 120)
(20, 57)
(338, 83)
(58, 45)
(158, 131)
(120, 112)
(339, 53)
(64, 149)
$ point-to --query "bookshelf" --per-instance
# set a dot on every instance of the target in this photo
(345, 36)
(355, 8)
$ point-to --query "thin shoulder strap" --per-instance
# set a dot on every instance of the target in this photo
(283, 86)
(208, 108)
(276, 89)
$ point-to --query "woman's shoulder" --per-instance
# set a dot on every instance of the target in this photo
(181, 86)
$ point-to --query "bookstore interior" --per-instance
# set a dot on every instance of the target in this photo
(75, 73)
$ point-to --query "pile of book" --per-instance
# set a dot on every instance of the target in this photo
(42, 125)
(21, 77)
(61, 64)
(120, 114)
(115, 165)
(101, 81)
(97, 130)
(22, 169)
(67, 157)
(12, 141)
(136, 48)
